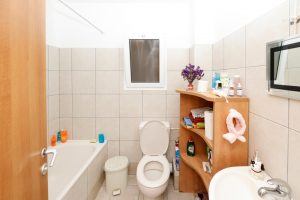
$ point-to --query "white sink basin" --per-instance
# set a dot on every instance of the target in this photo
(236, 183)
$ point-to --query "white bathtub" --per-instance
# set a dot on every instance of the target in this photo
(78, 170)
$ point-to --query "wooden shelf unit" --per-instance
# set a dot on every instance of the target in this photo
(192, 177)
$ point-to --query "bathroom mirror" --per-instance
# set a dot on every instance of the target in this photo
(144, 63)
(283, 67)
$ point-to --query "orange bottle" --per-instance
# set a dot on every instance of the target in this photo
(53, 140)
(64, 135)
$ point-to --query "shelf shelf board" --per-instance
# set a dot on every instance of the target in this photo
(196, 164)
(201, 133)
(210, 97)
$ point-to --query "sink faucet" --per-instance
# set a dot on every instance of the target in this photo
(281, 189)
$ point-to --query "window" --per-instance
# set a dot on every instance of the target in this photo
(144, 63)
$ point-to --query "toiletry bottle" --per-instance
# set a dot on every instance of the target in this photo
(53, 140)
(177, 155)
(64, 135)
(190, 147)
(59, 136)
(231, 89)
(239, 90)
(213, 81)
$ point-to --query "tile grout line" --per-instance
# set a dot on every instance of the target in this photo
(268, 119)
(95, 98)
(72, 97)
(59, 125)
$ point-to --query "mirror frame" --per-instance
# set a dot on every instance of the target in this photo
(287, 91)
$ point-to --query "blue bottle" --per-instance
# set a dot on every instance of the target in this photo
(101, 138)
(177, 155)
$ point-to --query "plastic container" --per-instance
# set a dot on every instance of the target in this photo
(116, 173)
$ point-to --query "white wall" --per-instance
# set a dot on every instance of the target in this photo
(182, 23)
(118, 20)
(217, 18)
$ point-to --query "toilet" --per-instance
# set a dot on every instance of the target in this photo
(153, 170)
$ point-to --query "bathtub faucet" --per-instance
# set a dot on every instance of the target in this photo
(281, 189)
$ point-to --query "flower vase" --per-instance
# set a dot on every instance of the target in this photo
(190, 86)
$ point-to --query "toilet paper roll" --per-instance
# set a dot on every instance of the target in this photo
(209, 124)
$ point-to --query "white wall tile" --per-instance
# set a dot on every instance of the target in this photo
(107, 58)
(65, 82)
(83, 128)
(67, 124)
(261, 103)
(131, 105)
(272, 26)
(175, 81)
(174, 135)
(173, 105)
(107, 82)
(294, 163)
(271, 140)
(109, 127)
(53, 127)
(129, 128)
(65, 58)
(84, 105)
(218, 55)
(83, 82)
(122, 86)
(203, 56)
(234, 49)
(66, 108)
(154, 105)
(113, 148)
(53, 59)
(107, 106)
(131, 149)
(177, 58)
(53, 107)
(83, 59)
(53, 82)
(171, 151)
(294, 117)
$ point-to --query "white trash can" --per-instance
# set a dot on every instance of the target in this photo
(116, 172)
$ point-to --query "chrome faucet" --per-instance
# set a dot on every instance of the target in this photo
(281, 189)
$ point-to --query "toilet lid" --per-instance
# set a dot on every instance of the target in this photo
(154, 137)
(165, 171)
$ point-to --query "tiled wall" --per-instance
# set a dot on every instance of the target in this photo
(87, 97)
(274, 122)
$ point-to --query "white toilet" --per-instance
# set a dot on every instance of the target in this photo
(153, 170)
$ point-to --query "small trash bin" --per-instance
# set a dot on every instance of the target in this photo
(116, 172)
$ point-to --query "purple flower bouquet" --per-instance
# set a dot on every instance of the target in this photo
(190, 73)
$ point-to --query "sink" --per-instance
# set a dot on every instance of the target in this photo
(236, 183)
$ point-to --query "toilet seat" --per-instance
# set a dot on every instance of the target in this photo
(165, 171)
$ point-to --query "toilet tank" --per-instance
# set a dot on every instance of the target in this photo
(154, 137)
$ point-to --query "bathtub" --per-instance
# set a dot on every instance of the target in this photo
(78, 171)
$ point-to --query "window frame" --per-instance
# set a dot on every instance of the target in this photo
(161, 85)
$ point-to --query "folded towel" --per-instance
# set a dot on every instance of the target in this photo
(196, 119)
(199, 112)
